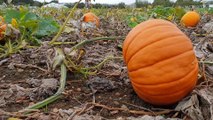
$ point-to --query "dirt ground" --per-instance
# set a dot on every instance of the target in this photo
(26, 78)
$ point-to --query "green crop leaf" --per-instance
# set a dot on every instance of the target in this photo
(179, 12)
(46, 27)
(31, 26)
(30, 17)
(12, 14)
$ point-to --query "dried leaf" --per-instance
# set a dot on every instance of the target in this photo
(191, 107)
(147, 117)
(58, 59)
(44, 88)
(13, 119)
(68, 29)
(206, 102)
(208, 27)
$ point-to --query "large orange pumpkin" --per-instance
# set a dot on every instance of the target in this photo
(161, 63)
(90, 17)
(190, 19)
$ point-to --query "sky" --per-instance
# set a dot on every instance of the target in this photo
(100, 1)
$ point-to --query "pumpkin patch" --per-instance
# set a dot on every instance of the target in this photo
(161, 63)
(93, 59)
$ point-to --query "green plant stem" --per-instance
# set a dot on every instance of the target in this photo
(69, 61)
(206, 62)
(1, 49)
(64, 24)
(75, 67)
(62, 43)
(93, 40)
(10, 47)
(98, 66)
(56, 96)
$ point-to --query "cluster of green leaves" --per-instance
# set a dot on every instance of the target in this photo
(210, 10)
(132, 21)
(168, 13)
(205, 10)
(165, 12)
(31, 26)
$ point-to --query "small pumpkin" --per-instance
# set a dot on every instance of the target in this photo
(190, 19)
(2, 30)
(161, 63)
(3, 27)
(90, 17)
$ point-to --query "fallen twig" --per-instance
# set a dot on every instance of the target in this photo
(30, 66)
(143, 108)
(15, 114)
(3, 61)
(93, 93)
(139, 112)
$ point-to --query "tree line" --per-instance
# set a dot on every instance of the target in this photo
(167, 3)
(138, 3)
(23, 2)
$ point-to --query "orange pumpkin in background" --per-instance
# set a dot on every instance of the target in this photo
(161, 63)
(190, 19)
(2, 30)
(3, 27)
(90, 17)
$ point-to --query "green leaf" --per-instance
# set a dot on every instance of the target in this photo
(179, 12)
(46, 27)
(30, 17)
(12, 14)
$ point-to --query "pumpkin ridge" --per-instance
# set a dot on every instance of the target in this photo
(161, 76)
(146, 29)
(189, 51)
(167, 81)
(161, 98)
(159, 22)
(186, 84)
(164, 38)
(166, 94)
(162, 60)
(170, 73)
(159, 39)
